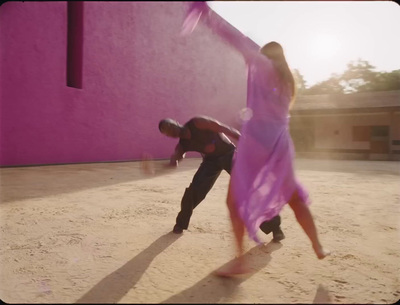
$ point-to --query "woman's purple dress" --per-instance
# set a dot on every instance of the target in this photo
(263, 178)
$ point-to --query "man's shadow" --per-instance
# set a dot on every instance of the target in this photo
(114, 286)
(213, 289)
(322, 296)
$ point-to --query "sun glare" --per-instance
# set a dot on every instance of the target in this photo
(324, 47)
(321, 37)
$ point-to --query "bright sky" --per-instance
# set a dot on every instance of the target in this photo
(321, 37)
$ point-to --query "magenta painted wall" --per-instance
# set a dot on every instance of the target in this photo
(136, 71)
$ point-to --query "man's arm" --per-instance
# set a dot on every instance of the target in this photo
(216, 126)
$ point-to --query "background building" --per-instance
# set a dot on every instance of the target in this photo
(351, 126)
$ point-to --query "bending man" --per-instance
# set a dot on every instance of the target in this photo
(208, 137)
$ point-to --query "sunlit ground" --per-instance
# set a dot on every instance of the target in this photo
(100, 233)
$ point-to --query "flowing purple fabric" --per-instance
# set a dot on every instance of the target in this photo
(263, 178)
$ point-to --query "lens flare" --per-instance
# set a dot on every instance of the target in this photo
(245, 114)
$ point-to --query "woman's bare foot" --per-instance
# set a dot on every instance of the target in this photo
(236, 267)
(321, 252)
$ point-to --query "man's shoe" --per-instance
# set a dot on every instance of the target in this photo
(177, 229)
(278, 235)
(268, 226)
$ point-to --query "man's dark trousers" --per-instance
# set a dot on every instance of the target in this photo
(203, 180)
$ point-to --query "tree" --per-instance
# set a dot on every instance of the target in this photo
(299, 80)
(358, 77)
(385, 81)
(331, 86)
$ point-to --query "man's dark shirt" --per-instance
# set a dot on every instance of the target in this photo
(202, 140)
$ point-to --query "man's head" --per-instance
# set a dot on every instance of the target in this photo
(170, 128)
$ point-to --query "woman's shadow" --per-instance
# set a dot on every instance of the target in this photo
(213, 289)
(322, 296)
(114, 286)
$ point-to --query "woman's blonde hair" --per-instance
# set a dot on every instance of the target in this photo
(274, 51)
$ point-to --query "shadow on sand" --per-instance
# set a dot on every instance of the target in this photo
(322, 296)
(114, 286)
(213, 289)
(21, 183)
(210, 289)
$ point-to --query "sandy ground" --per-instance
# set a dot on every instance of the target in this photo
(101, 233)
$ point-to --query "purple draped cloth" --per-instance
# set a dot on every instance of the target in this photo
(263, 178)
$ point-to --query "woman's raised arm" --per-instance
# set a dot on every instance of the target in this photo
(200, 11)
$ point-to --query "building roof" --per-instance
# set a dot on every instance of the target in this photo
(364, 100)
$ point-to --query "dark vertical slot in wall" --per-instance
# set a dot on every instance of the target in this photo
(74, 44)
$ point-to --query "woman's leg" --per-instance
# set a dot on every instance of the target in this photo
(306, 221)
(238, 265)
(237, 223)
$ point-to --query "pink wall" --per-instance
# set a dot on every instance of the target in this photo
(136, 71)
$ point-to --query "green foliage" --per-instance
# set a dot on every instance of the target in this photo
(300, 82)
(331, 86)
(360, 76)
(386, 81)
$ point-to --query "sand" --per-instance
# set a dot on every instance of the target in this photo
(101, 233)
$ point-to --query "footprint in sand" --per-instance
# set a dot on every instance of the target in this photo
(341, 282)
(349, 256)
